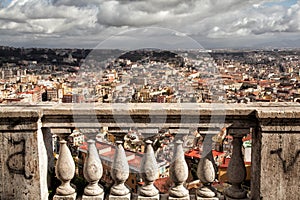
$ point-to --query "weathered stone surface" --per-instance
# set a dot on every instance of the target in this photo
(177, 198)
(228, 198)
(156, 197)
(236, 170)
(113, 197)
(119, 172)
(272, 178)
(92, 171)
(211, 198)
(20, 166)
(178, 172)
(149, 172)
(206, 169)
(68, 197)
(98, 197)
(18, 119)
(280, 166)
(206, 192)
(65, 170)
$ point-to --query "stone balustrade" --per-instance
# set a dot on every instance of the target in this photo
(27, 156)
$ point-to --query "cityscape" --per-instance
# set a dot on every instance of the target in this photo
(149, 100)
(63, 76)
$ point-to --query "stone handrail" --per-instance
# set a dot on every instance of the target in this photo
(26, 156)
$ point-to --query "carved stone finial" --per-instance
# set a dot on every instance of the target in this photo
(149, 172)
(65, 170)
(206, 171)
(236, 170)
(92, 171)
(178, 172)
(206, 174)
(119, 172)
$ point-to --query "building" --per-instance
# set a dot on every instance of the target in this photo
(72, 98)
(52, 94)
(76, 138)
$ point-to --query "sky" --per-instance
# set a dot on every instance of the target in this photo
(164, 24)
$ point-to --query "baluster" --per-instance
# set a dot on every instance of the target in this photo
(93, 171)
(236, 171)
(206, 171)
(178, 174)
(65, 170)
(120, 173)
(149, 174)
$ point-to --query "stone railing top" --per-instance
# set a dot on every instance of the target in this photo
(18, 118)
(54, 115)
(140, 108)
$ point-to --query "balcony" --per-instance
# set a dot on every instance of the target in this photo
(27, 163)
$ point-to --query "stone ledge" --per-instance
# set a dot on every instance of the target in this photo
(156, 197)
(177, 198)
(211, 198)
(98, 197)
(125, 197)
(69, 197)
(228, 198)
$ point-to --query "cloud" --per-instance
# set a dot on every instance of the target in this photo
(41, 17)
(91, 21)
(249, 21)
(151, 37)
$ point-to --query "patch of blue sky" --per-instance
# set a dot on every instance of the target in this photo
(5, 3)
(287, 3)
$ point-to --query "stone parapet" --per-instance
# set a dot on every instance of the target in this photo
(24, 138)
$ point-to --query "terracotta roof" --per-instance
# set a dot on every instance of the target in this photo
(134, 163)
(163, 184)
(225, 163)
(195, 153)
(247, 138)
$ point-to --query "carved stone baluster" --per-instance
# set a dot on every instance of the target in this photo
(236, 171)
(93, 171)
(119, 173)
(206, 171)
(178, 174)
(65, 170)
(149, 173)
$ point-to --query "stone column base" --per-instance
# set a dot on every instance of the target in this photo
(113, 197)
(98, 197)
(207, 198)
(156, 197)
(228, 198)
(177, 198)
(69, 197)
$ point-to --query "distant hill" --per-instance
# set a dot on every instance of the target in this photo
(147, 55)
(41, 55)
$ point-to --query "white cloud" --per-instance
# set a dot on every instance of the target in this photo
(94, 20)
(39, 16)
